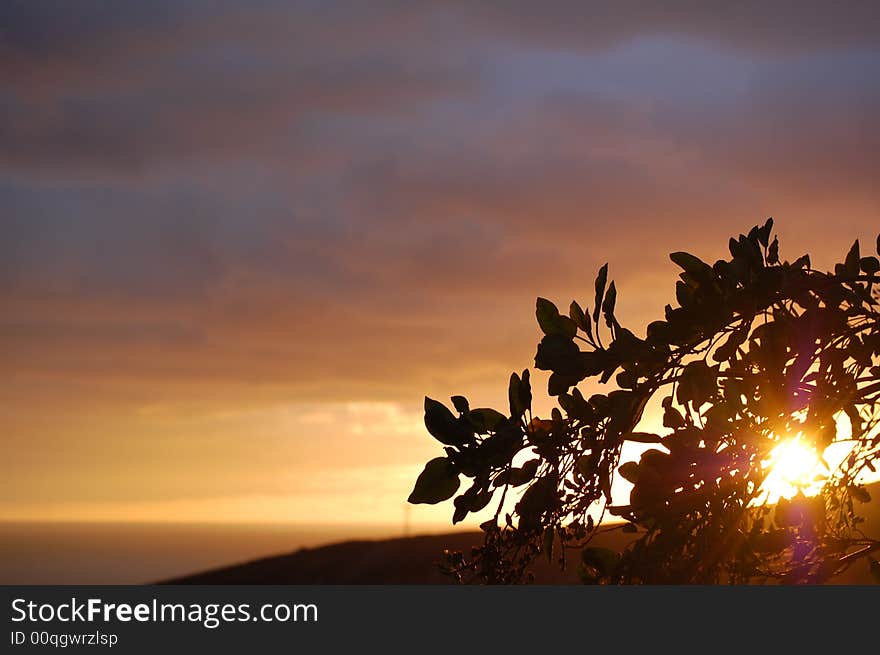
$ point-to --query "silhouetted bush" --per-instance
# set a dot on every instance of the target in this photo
(758, 351)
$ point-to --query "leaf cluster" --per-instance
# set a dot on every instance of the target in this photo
(756, 350)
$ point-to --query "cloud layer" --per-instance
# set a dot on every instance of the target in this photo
(208, 205)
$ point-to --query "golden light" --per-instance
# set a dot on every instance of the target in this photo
(793, 466)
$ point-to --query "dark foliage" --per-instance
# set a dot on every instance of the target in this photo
(758, 350)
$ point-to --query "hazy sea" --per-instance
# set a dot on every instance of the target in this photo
(136, 553)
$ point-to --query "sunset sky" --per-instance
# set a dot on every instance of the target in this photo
(241, 241)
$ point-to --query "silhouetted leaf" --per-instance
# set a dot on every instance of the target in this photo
(592, 363)
(443, 426)
(584, 466)
(551, 321)
(869, 265)
(773, 252)
(629, 472)
(485, 419)
(684, 294)
(696, 384)
(626, 380)
(560, 383)
(658, 332)
(644, 437)
(601, 280)
(764, 232)
(672, 418)
(625, 410)
(580, 319)
(558, 354)
(519, 394)
(537, 499)
(691, 264)
(472, 500)
(802, 262)
(575, 405)
(461, 404)
(851, 264)
(753, 234)
(608, 304)
(436, 483)
(727, 350)
(517, 476)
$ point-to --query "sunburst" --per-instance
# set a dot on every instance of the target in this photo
(793, 466)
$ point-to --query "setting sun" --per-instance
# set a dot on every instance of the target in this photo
(794, 466)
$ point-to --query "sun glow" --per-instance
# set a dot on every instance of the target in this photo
(794, 466)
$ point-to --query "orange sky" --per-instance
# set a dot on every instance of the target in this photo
(239, 246)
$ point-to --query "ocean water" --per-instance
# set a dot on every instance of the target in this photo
(137, 553)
